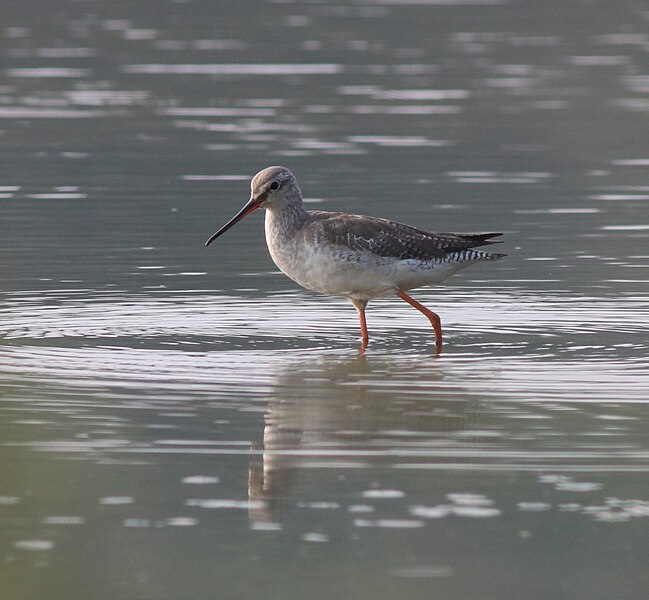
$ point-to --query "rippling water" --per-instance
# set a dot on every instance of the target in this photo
(177, 422)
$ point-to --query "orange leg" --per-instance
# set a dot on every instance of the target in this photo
(432, 317)
(360, 307)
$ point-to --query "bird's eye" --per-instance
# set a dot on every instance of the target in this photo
(274, 186)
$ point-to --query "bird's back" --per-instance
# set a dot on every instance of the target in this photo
(389, 239)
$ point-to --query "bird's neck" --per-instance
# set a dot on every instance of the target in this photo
(285, 220)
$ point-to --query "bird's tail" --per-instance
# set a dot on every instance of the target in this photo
(480, 239)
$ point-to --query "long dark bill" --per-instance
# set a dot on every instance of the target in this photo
(252, 205)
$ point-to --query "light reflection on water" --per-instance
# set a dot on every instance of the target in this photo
(522, 365)
(178, 414)
(312, 443)
(490, 321)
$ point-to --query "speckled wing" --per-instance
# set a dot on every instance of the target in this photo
(390, 239)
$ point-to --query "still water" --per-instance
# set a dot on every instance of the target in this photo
(184, 423)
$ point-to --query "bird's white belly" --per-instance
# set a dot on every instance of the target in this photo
(335, 271)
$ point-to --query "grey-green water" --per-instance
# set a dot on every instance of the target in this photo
(184, 423)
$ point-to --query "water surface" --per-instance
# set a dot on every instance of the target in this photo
(182, 422)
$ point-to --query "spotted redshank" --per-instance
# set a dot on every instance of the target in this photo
(357, 257)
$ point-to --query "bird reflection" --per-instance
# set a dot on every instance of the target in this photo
(351, 407)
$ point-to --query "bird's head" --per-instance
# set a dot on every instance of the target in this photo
(271, 188)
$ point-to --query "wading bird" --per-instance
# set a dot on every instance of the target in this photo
(358, 257)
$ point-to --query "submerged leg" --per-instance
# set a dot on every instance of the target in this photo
(360, 307)
(432, 317)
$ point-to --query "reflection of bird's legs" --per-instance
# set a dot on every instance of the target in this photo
(269, 483)
(258, 510)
